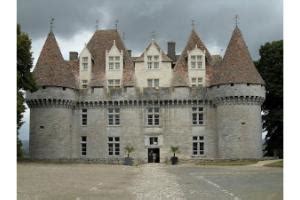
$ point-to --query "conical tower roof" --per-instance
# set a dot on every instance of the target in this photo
(51, 69)
(181, 67)
(237, 65)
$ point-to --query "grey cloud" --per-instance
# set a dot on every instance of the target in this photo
(260, 20)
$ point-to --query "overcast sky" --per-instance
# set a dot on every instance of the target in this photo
(259, 20)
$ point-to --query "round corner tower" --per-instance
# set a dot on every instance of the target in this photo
(52, 105)
(238, 92)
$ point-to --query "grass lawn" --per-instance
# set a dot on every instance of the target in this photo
(275, 164)
(227, 162)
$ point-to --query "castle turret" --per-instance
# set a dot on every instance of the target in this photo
(51, 106)
(238, 91)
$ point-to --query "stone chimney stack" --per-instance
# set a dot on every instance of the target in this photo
(73, 55)
(129, 52)
(171, 50)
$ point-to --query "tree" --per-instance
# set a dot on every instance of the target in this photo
(25, 80)
(174, 150)
(270, 67)
(129, 149)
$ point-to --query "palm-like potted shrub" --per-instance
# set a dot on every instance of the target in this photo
(128, 160)
(174, 150)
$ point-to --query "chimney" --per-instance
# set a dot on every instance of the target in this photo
(129, 52)
(171, 50)
(73, 55)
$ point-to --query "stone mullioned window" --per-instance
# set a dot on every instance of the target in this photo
(113, 116)
(152, 116)
(197, 115)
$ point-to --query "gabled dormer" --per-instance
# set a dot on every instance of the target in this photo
(85, 67)
(153, 68)
(196, 67)
(114, 66)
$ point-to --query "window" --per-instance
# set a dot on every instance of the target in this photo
(114, 63)
(113, 116)
(113, 146)
(153, 62)
(153, 82)
(153, 116)
(153, 140)
(198, 145)
(84, 63)
(196, 81)
(197, 115)
(84, 83)
(84, 117)
(83, 144)
(113, 83)
(196, 61)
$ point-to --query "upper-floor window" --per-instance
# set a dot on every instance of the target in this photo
(153, 62)
(197, 81)
(113, 116)
(83, 144)
(153, 82)
(153, 116)
(197, 115)
(196, 61)
(84, 117)
(113, 146)
(114, 63)
(198, 145)
(113, 83)
(153, 140)
(84, 63)
(84, 83)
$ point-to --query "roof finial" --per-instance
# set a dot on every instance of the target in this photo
(153, 35)
(193, 24)
(97, 24)
(51, 24)
(236, 17)
(116, 24)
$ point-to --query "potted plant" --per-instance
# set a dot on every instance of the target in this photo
(128, 160)
(174, 150)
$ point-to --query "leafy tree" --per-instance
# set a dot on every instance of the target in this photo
(174, 150)
(25, 80)
(129, 149)
(270, 67)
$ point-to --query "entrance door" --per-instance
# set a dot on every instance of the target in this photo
(153, 155)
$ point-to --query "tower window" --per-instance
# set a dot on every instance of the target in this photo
(84, 117)
(113, 146)
(197, 115)
(83, 144)
(198, 145)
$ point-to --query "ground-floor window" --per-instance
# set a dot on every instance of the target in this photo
(113, 146)
(83, 144)
(198, 145)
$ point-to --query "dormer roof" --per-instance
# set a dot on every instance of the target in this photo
(237, 65)
(51, 69)
(101, 41)
(180, 77)
(164, 58)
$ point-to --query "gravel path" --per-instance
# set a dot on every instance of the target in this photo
(154, 182)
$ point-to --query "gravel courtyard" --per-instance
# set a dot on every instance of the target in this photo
(37, 181)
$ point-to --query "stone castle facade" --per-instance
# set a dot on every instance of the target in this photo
(104, 99)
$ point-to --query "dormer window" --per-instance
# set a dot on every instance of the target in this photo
(114, 63)
(196, 62)
(85, 62)
(153, 62)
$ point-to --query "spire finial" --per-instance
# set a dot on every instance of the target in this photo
(153, 35)
(97, 24)
(116, 24)
(236, 18)
(193, 24)
(51, 24)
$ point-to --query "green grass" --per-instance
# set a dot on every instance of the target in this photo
(226, 162)
(275, 164)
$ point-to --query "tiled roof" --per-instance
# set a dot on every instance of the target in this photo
(165, 57)
(237, 65)
(180, 77)
(101, 41)
(51, 69)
